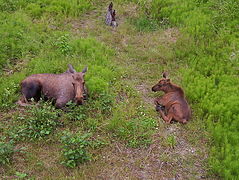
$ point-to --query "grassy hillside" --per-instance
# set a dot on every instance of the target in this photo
(208, 55)
(117, 133)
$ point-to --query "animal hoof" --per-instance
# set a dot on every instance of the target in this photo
(167, 122)
(184, 121)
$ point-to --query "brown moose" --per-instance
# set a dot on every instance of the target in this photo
(172, 105)
(61, 88)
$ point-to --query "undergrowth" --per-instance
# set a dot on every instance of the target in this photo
(74, 148)
(208, 52)
(35, 40)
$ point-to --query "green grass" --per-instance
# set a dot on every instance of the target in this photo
(117, 127)
(27, 38)
(209, 49)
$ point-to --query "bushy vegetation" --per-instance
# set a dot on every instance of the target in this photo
(74, 149)
(209, 49)
(19, 36)
(36, 123)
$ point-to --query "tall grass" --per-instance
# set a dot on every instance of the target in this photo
(20, 37)
(209, 50)
(38, 44)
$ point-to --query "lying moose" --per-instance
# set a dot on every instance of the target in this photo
(61, 88)
(172, 105)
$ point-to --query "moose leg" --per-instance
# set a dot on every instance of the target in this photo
(167, 118)
(158, 101)
(31, 90)
(159, 104)
(177, 113)
(23, 101)
(60, 103)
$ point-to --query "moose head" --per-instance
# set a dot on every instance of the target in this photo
(163, 84)
(78, 84)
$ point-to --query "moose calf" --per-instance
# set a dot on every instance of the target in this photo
(61, 88)
(172, 105)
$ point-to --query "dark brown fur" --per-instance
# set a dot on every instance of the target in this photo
(172, 105)
(61, 88)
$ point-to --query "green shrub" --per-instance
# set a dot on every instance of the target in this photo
(76, 112)
(12, 5)
(74, 149)
(37, 123)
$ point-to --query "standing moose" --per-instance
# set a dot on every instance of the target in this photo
(61, 88)
(172, 105)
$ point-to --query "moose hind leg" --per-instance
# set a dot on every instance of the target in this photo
(167, 118)
(31, 90)
(60, 103)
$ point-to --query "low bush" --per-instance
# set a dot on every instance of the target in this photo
(38, 121)
(74, 149)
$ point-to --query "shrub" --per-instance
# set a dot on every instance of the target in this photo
(145, 24)
(74, 149)
(37, 123)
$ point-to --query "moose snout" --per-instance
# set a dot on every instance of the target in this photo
(79, 100)
(154, 89)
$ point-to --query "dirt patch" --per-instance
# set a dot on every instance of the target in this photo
(144, 91)
(171, 34)
(158, 161)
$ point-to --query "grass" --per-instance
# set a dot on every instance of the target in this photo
(127, 137)
(209, 76)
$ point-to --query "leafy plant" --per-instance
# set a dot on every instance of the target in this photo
(145, 24)
(40, 122)
(74, 148)
(171, 141)
(21, 175)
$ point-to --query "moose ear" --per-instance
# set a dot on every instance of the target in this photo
(71, 69)
(84, 70)
(165, 74)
